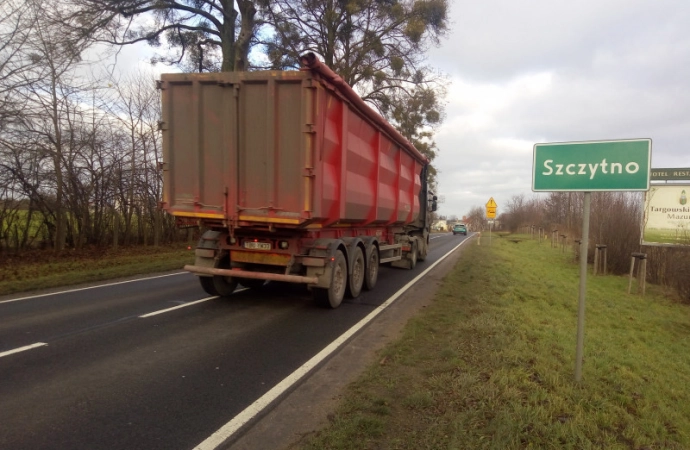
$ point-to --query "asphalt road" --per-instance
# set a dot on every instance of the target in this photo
(155, 363)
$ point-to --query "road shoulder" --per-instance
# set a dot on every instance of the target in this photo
(307, 408)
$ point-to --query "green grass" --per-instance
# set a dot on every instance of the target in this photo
(490, 365)
(41, 269)
(666, 236)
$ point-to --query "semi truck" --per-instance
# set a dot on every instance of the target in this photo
(293, 178)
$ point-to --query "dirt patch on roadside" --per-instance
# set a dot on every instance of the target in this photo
(307, 408)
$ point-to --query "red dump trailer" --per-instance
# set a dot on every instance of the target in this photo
(293, 177)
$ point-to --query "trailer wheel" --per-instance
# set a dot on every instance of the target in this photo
(225, 286)
(356, 279)
(207, 285)
(413, 255)
(423, 250)
(333, 296)
(371, 274)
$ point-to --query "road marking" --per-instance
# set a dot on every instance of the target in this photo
(91, 287)
(155, 313)
(22, 349)
(253, 410)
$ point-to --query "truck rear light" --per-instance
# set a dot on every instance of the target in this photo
(233, 241)
(284, 245)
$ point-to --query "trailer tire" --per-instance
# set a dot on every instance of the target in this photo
(356, 278)
(333, 296)
(225, 286)
(413, 255)
(208, 286)
(371, 273)
(423, 249)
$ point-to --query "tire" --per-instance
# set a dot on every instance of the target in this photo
(333, 296)
(252, 283)
(423, 250)
(371, 273)
(225, 286)
(207, 285)
(356, 278)
(413, 256)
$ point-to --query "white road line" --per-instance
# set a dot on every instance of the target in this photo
(155, 313)
(22, 349)
(230, 428)
(91, 287)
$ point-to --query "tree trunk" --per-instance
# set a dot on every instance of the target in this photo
(116, 228)
(247, 11)
(228, 39)
(156, 228)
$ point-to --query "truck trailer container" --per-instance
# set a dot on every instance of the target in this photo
(293, 178)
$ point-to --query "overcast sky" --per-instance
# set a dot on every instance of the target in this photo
(532, 71)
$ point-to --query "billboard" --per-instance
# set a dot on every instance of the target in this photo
(667, 215)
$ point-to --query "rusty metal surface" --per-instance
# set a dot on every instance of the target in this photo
(247, 274)
(273, 259)
(285, 149)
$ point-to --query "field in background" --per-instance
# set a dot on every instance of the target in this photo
(491, 364)
(677, 237)
(42, 269)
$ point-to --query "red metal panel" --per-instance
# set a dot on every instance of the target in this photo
(197, 138)
(388, 181)
(288, 149)
(331, 145)
(361, 171)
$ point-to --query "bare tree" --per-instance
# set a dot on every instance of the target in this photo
(476, 218)
(16, 22)
(186, 27)
(137, 110)
(379, 48)
(50, 109)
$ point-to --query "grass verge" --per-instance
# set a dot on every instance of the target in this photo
(491, 364)
(43, 270)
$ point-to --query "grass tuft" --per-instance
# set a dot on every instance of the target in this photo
(43, 269)
(491, 364)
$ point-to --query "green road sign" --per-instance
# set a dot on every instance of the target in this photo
(622, 165)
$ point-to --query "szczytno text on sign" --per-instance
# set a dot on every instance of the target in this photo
(622, 165)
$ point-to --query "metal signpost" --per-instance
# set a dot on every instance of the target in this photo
(615, 165)
(491, 214)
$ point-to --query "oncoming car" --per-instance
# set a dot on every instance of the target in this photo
(460, 229)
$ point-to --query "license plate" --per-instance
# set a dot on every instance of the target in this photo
(257, 245)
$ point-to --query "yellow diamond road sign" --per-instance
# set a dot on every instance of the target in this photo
(491, 208)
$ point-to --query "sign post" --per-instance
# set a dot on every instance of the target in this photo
(620, 165)
(491, 214)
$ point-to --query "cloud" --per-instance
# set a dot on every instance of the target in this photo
(534, 71)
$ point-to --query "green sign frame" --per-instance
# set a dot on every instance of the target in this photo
(589, 166)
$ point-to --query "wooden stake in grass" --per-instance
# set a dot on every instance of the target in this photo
(641, 271)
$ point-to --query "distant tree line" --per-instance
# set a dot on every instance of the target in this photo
(78, 156)
(615, 221)
(80, 150)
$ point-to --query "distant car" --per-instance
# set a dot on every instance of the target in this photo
(460, 229)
